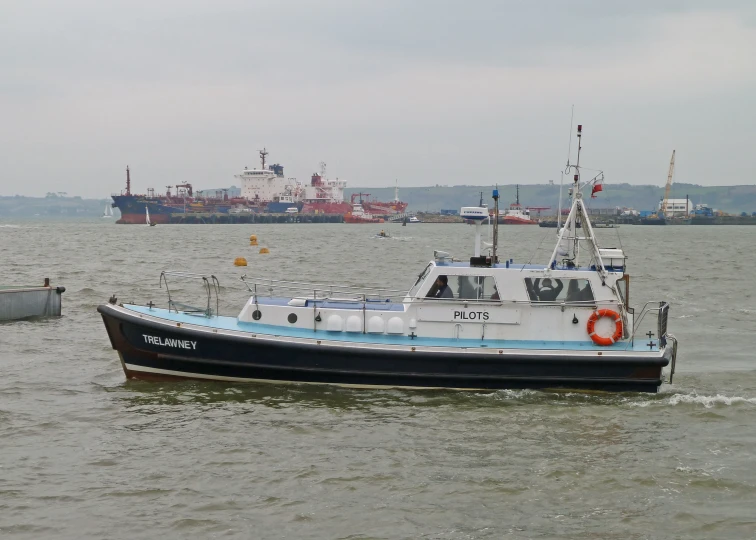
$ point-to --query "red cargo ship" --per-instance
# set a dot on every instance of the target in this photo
(381, 208)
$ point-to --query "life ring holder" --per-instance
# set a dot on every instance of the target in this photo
(591, 327)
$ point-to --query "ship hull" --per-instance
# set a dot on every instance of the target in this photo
(384, 209)
(281, 207)
(326, 208)
(509, 220)
(133, 207)
(354, 219)
(157, 348)
(652, 221)
(133, 210)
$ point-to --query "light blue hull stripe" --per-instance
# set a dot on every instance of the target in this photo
(231, 323)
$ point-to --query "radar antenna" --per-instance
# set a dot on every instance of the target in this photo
(263, 153)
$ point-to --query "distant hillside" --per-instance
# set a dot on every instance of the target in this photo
(53, 206)
(732, 199)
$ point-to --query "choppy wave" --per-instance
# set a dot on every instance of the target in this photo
(708, 402)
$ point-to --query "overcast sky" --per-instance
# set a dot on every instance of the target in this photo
(423, 91)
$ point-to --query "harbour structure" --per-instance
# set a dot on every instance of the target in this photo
(660, 217)
(22, 302)
(481, 323)
(676, 207)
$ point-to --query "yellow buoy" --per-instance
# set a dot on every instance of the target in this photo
(240, 261)
(264, 250)
(253, 240)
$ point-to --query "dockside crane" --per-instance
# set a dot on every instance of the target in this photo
(669, 186)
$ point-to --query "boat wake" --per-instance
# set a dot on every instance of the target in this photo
(573, 398)
(709, 402)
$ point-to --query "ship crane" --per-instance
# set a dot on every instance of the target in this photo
(669, 186)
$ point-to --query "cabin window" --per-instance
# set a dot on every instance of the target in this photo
(468, 288)
(420, 279)
(559, 290)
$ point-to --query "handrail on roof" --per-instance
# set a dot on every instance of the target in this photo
(270, 284)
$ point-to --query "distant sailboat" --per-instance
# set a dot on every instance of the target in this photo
(108, 213)
(147, 217)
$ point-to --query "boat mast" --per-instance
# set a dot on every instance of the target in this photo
(128, 181)
(561, 180)
(495, 239)
(263, 153)
(576, 197)
(569, 232)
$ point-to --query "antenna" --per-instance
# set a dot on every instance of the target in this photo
(322, 169)
(580, 147)
(561, 181)
(263, 153)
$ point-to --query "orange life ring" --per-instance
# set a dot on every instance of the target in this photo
(605, 341)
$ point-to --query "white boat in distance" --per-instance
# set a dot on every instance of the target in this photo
(108, 212)
(147, 217)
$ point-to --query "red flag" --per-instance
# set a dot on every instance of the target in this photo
(596, 188)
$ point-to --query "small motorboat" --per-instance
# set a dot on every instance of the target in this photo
(477, 324)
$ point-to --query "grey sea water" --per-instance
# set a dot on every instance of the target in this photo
(84, 453)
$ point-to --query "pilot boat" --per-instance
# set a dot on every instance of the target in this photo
(477, 324)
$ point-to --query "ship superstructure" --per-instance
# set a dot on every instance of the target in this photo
(268, 187)
(324, 196)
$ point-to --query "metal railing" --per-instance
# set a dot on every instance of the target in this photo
(662, 313)
(345, 293)
(210, 285)
(320, 291)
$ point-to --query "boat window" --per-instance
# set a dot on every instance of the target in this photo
(559, 290)
(468, 288)
(420, 278)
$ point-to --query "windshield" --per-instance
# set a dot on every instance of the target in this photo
(420, 279)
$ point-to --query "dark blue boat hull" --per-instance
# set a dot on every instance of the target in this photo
(151, 350)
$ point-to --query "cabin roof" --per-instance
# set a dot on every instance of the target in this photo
(455, 264)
